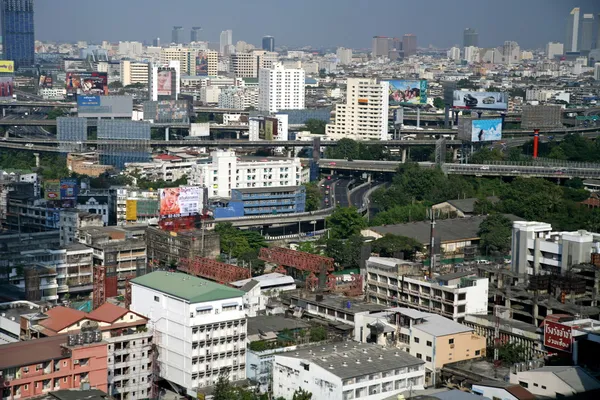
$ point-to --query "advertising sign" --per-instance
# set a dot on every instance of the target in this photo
(486, 130)
(542, 116)
(201, 65)
(558, 336)
(52, 190)
(45, 81)
(7, 66)
(404, 92)
(131, 210)
(87, 83)
(68, 189)
(480, 100)
(180, 202)
(164, 83)
(171, 111)
(201, 129)
(88, 101)
(6, 87)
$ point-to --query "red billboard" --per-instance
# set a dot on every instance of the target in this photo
(558, 336)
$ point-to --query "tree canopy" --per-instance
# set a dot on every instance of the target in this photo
(345, 222)
(393, 245)
(495, 232)
(315, 126)
(243, 245)
(353, 150)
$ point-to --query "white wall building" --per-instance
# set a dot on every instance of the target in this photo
(226, 172)
(344, 56)
(210, 94)
(238, 98)
(364, 115)
(199, 327)
(134, 72)
(554, 49)
(597, 71)
(225, 40)
(453, 53)
(552, 382)
(281, 89)
(254, 129)
(52, 93)
(260, 288)
(471, 54)
(347, 371)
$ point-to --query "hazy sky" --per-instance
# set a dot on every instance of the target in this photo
(320, 23)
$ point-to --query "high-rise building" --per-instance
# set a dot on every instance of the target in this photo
(268, 43)
(177, 35)
(225, 40)
(18, 31)
(364, 115)
(409, 44)
(554, 49)
(470, 38)
(381, 46)
(344, 55)
(195, 34)
(395, 51)
(597, 71)
(244, 65)
(185, 56)
(587, 32)
(156, 42)
(598, 37)
(571, 45)
(281, 89)
(511, 52)
(454, 53)
(471, 54)
(134, 72)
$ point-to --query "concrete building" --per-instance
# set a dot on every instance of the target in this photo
(130, 49)
(212, 62)
(226, 172)
(344, 56)
(395, 283)
(244, 65)
(177, 35)
(166, 167)
(10, 319)
(511, 53)
(281, 89)
(501, 390)
(269, 128)
(409, 45)
(597, 71)
(268, 43)
(470, 38)
(536, 249)
(554, 382)
(225, 40)
(185, 56)
(137, 206)
(364, 115)
(72, 220)
(453, 54)
(554, 49)
(238, 98)
(380, 46)
(346, 371)
(587, 32)
(170, 87)
(165, 249)
(195, 34)
(261, 288)
(263, 201)
(572, 42)
(210, 94)
(200, 328)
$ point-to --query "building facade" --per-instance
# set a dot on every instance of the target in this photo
(268, 43)
(344, 55)
(238, 98)
(281, 89)
(263, 201)
(134, 72)
(18, 39)
(470, 38)
(572, 42)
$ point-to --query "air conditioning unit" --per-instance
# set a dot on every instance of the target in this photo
(451, 346)
(75, 362)
(25, 369)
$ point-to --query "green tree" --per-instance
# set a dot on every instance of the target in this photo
(315, 126)
(223, 389)
(345, 148)
(512, 353)
(345, 252)
(391, 245)
(495, 232)
(55, 113)
(302, 394)
(438, 103)
(313, 196)
(317, 334)
(345, 222)
(485, 155)
(115, 85)
(309, 247)
(483, 206)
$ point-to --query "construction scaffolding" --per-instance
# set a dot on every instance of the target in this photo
(213, 270)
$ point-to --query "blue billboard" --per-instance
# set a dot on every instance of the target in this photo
(68, 189)
(88, 101)
(486, 130)
(407, 92)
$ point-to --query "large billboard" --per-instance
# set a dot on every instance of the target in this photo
(558, 336)
(268, 128)
(164, 83)
(68, 189)
(200, 129)
(182, 201)
(45, 81)
(6, 87)
(104, 106)
(131, 210)
(406, 92)
(7, 66)
(167, 111)
(52, 190)
(201, 65)
(486, 130)
(88, 101)
(87, 83)
(541, 116)
(480, 100)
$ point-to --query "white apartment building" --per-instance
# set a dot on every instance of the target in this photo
(260, 289)
(471, 54)
(210, 94)
(185, 56)
(344, 55)
(281, 89)
(554, 49)
(345, 371)
(244, 65)
(130, 49)
(199, 325)
(143, 199)
(226, 171)
(52, 93)
(452, 295)
(134, 72)
(225, 40)
(364, 115)
(166, 170)
(212, 60)
(238, 98)
(536, 249)
(453, 53)
(175, 67)
(555, 382)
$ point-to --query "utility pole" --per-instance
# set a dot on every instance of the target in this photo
(432, 244)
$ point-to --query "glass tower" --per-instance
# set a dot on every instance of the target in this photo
(17, 31)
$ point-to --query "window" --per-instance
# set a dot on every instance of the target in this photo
(450, 341)
(429, 344)
(535, 384)
(543, 387)
(419, 356)
(524, 384)
(477, 352)
(65, 379)
(156, 298)
(428, 359)
(416, 340)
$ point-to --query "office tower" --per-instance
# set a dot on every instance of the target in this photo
(364, 115)
(554, 49)
(587, 32)
(156, 42)
(18, 31)
(268, 43)
(409, 45)
(280, 89)
(126, 142)
(597, 71)
(381, 46)
(454, 53)
(177, 35)
(244, 65)
(470, 38)
(134, 72)
(185, 56)
(165, 81)
(571, 45)
(195, 34)
(598, 37)
(344, 56)
(471, 54)
(226, 39)
(207, 63)
(511, 52)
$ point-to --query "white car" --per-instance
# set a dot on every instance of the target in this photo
(485, 167)
(29, 145)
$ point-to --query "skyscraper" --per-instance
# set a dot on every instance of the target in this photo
(572, 31)
(268, 43)
(381, 46)
(598, 37)
(195, 34)
(156, 42)
(587, 32)
(17, 31)
(226, 39)
(409, 44)
(281, 88)
(470, 38)
(177, 35)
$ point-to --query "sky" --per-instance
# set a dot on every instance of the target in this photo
(316, 23)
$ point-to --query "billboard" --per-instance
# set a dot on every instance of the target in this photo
(538, 117)
(131, 210)
(164, 83)
(200, 129)
(486, 130)
(68, 189)
(182, 201)
(406, 92)
(7, 66)
(558, 336)
(480, 100)
(87, 83)
(45, 81)
(268, 128)
(201, 65)
(52, 190)
(88, 101)
(6, 87)
(104, 106)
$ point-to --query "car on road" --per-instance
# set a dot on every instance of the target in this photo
(485, 167)
(329, 178)
(327, 192)
(332, 163)
(29, 145)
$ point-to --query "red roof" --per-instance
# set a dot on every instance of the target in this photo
(520, 392)
(107, 312)
(31, 352)
(591, 202)
(61, 317)
(167, 157)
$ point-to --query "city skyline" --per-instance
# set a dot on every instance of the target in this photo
(356, 30)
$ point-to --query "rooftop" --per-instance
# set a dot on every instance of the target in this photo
(436, 325)
(576, 377)
(187, 287)
(17, 308)
(468, 205)
(267, 280)
(350, 359)
(60, 318)
(455, 275)
(273, 323)
(339, 303)
(74, 394)
(517, 391)
(31, 352)
(270, 189)
(108, 312)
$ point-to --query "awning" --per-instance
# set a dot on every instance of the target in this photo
(230, 305)
(204, 308)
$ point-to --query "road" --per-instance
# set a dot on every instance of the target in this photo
(357, 196)
(340, 192)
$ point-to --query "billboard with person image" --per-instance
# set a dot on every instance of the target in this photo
(407, 92)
